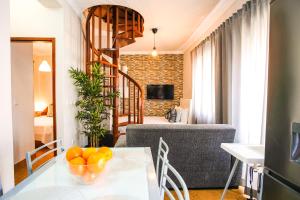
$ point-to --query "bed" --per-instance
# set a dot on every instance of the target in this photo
(43, 129)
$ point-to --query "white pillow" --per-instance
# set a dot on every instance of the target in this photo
(184, 116)
(178, 113)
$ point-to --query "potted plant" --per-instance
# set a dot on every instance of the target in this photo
(92, 105)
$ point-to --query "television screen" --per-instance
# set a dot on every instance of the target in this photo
(160, 92)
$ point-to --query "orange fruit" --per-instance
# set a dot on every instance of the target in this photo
(106, 151)
(96, 162)
(77, 166)
(73, 152)
(87, 152)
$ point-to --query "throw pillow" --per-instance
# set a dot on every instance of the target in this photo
(184, 116)
(178, 112)
(173, 115)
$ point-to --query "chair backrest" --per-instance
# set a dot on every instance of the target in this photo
(163, 150)
(30, 162)
(167, 179)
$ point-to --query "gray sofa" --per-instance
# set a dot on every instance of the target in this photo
(194, 150)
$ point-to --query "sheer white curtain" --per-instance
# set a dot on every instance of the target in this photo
(251, 85)
(203, 103)
(243, 44)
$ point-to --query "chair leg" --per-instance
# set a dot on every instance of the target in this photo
(28, 163)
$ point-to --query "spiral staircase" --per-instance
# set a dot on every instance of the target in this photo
(107, 29)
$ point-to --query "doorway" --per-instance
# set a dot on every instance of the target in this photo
(33, 96)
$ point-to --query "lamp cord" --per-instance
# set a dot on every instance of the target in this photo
(154, 41)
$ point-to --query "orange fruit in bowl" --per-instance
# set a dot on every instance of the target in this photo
(106, 151)
(96, 162)
(88, 151)
(73, 152)
(77, 166)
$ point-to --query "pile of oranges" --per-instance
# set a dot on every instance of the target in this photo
(87, 163)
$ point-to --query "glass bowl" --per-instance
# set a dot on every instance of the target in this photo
(86, 174)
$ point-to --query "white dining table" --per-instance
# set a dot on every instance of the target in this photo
(129, 175)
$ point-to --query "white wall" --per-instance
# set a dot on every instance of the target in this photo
(32, 19)
(22, 98)
(73, 57)
(6, 134)
(42, 80)
(223, 10)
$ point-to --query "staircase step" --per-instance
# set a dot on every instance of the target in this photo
(108, 49)
(123, 43)
(124, 124)
(126, 114)
(129, 35)
(121, 19)
(123, 115)
(104, 59)
(121, 133)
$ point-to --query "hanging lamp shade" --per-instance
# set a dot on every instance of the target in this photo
(154, 52)
(44, 66)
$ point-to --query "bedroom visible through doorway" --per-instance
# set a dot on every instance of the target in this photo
(33, 96)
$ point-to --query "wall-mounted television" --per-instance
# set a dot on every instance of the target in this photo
(160, 91)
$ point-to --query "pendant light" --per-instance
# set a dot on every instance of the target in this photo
(154, 52)
(44, 67)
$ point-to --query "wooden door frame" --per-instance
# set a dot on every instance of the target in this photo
(52, 40)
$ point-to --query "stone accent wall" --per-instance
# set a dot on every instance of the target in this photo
(163, 69)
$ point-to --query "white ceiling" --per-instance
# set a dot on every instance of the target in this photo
(175, 19)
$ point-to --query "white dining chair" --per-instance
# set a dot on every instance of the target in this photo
(163, 150)
(58, 148)
(167, 179)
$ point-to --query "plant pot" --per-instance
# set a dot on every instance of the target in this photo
(107, 140)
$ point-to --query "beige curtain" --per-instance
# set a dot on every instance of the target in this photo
(211, 62)
(229, 73)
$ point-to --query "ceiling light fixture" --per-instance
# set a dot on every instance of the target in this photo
(154, 52)
(44, 67)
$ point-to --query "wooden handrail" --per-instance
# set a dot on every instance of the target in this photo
(107, 64)
(131, 79)
(137, 118)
